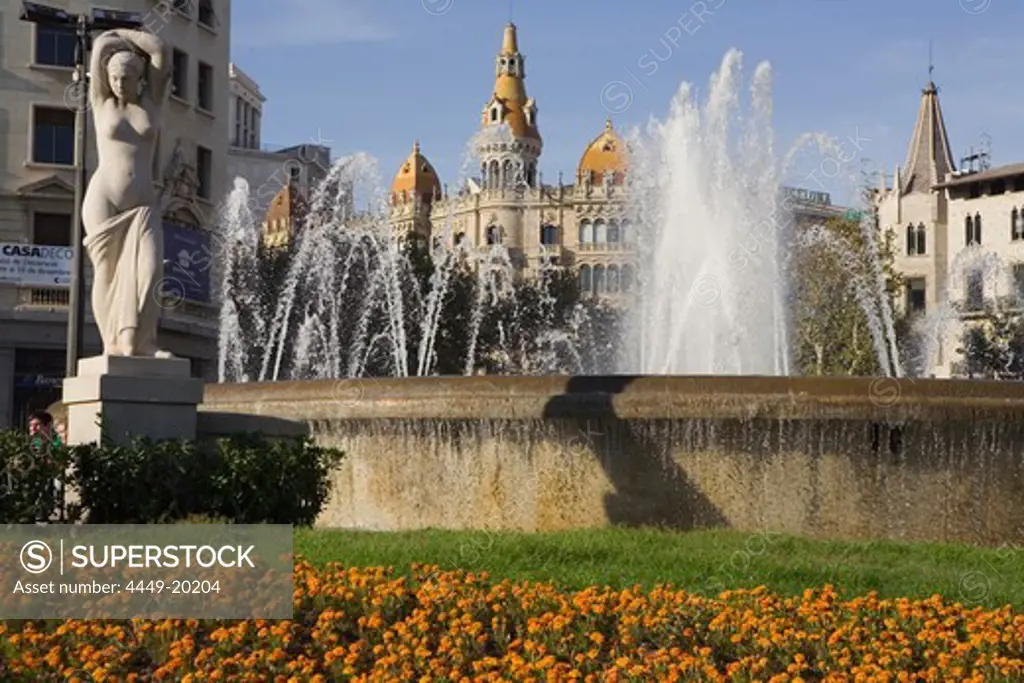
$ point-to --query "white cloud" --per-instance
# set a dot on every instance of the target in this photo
(260, 23)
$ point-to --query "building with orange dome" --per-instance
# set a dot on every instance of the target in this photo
(583, 225)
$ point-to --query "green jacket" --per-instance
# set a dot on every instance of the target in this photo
(41, 444)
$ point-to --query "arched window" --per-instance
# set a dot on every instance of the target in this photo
(494, 179)
(600, 231)
(613, 232)
(531, 175)
(548, 234)
(586, 232)
(626, 279)
(508, 177)
(460, 239)
(968, 231)
(911, 244)
(586, 279)
(613, 279)
(977, 228)
(483, 175)
(625, 232)
(493, 235)
(1016, 227)
(921, 239)
(599, 280)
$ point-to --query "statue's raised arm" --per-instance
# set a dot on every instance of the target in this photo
(103, 48)
(160, 63)
(131, 45)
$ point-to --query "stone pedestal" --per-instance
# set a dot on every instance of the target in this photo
(133, 397)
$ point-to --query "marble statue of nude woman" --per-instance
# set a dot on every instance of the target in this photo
(129, 79)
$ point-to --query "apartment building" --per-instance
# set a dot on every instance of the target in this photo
(280, 178)
(37, 184)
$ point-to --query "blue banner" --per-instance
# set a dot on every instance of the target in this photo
(187, 262)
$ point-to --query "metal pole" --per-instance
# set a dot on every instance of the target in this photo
(76, 303)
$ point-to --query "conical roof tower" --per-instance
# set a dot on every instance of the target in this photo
(928, 158)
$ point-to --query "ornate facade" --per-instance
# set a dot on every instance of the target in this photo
(584, 224)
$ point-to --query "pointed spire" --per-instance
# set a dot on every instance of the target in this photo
(928, 158)
(509, 102)
(608, 123)
(510, 44)
(416, 147)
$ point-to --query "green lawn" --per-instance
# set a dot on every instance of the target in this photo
(704, 561)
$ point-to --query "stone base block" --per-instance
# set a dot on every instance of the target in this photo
(121, 398)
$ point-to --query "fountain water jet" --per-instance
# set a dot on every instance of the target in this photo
(705, 187)
(703, 179)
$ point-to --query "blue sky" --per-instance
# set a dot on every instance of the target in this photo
(374, 75)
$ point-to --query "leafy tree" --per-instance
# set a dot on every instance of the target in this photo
(834, 286)
(255, 282)
(992, 347)
(374, 308)
(536, 324)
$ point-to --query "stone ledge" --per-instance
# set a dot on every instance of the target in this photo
(135, 366)
(624, 397)
(127, 389)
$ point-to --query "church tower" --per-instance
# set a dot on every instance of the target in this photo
(508, 157)
(915, 212)
(928, 158)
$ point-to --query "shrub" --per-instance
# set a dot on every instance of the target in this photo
(243, 478)
(280, 482)
(32, 472)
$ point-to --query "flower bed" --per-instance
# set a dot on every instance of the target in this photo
(373, 624)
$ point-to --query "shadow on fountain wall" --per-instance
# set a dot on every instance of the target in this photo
(651, 489)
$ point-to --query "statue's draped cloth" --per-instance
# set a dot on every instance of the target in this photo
(127, 243)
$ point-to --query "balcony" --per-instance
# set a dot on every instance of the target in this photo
(43, 298)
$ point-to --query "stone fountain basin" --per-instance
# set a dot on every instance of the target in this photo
(859, 458)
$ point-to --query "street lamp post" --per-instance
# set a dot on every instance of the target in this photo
(83, 25)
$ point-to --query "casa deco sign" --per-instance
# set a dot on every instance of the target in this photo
(35, 265)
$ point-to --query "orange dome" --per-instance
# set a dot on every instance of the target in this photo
(416, 176)
(608, 152)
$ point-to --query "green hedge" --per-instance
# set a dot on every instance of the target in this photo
(244, 478)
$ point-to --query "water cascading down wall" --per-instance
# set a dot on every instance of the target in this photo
(827, 457)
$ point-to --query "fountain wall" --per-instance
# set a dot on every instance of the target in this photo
(856, 458)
